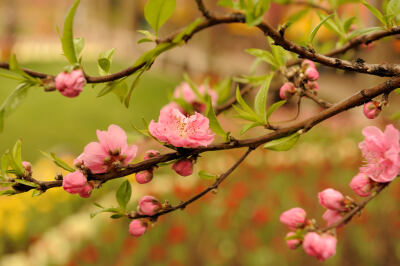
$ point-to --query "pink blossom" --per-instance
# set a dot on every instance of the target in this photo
(76, 183)
(150, 154)
(312, 73)
(292, 243)
(361, 184)
(381, 151)
(144, 177)
(175, 128)
(294, 218)
(307, 63)
(112, 149)
(371, 109)
(331, 199)
(70, 84)
(331, 217)
(185, 91)
(287, 90)
(137, 228)
(27, 166)
(149, 205)
(320, 246)
(183, 167)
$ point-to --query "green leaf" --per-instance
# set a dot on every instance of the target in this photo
(207, 176)
(98, 205)
(4, 164)
(247, 109)
(295, 17)
(375, 12)
(116, 216)
(26, 183)
(111, 86)
(187, 31)
(14, 67)
(347, 24)
(123, 194)
(79, 44)
(214, 124)
(112, 210)
(359, 32)
(67, 39)
(2, 120)
(223, 89)
(247, 127)
(59, 162)
(264, 55)
(273, 107)
(283, 144)
(157, 12)
(133, 86)
(393, 10)
(194, 87)
(16, 168)
(245, 115)
(315, 30)
(7, 192)
(260, 102)
(17, 154)
(104, 61)
(36, 192)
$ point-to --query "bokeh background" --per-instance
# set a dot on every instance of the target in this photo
(239, 223)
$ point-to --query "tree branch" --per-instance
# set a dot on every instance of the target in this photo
(183, 205)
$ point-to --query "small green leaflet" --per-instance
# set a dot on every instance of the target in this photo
(374, 11)
(17, 154)
(187, 31)
(315, 30)
(273, 107)
(7, 192)
(207, 176)
(14, 67)
(67, 39)
(283, 144)
(79, 44)
(26, 183)
(58, 161)
(247, 127)
(214, 124)
(157, 12)
(247, 109)
(123, 194)
(112, 210)
(260, 102)
(224, 89)
(104, 61)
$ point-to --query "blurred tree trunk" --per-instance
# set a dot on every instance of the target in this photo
(10, 25)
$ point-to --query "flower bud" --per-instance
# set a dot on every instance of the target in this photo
(75, 183)
(137, 228)
(287, 90)
(183, 167)
(307, 64)
(331, 217)
(292, 243)
(294, 218)
(150, 154)
(331, 199)
(312, 73)
(27, 166)
(70, 84)
(149, 205)
(361, 184)
(144, 177)
(372, 109)
(320, 246)
(86, 191)
(312, 85)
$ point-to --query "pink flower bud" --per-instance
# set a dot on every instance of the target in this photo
(312, 73)
(76, 183)
(294, 218)
(137, 228)
(320, 246)
(372, 109)
(292, 243)
(149, 205)
(86, 191)
(27, 166)
(312, 85)
(331, 199)
(287, 90)
(307, 64)
(150, 154)
(361, 184)
(70, 84)
(183, 167)
(331, 217)
(144, 177)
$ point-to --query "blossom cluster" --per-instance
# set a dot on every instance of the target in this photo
(381, 153)
(311, 75)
